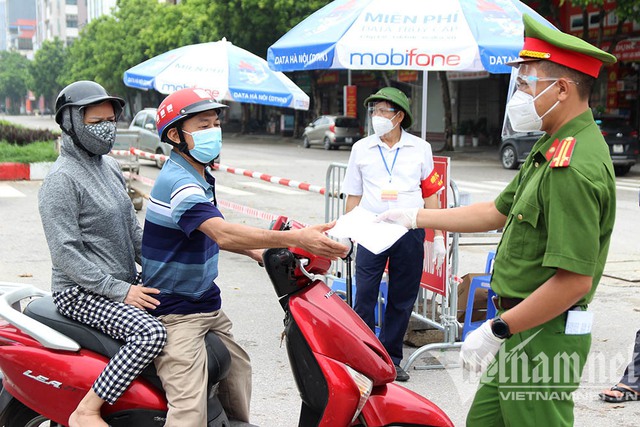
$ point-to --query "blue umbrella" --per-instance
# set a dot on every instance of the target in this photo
(230, 73)
(429, 35)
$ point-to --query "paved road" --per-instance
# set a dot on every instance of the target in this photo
(251, 303)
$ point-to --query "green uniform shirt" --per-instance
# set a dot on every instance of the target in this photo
(557, 217)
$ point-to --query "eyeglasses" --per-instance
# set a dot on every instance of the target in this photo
(523, 81)
(380, 111)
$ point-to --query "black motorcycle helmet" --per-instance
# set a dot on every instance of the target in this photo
(82, 93)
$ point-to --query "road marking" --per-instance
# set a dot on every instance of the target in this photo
(628, 188)
(267, 187)
(479, 187)
(7, 191)
(488, 186)
(228, 190)
(628, 181)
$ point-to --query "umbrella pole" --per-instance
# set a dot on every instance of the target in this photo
(425, 84)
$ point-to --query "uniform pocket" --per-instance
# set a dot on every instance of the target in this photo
(524, 237)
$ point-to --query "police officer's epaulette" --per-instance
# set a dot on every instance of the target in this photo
(560, 152)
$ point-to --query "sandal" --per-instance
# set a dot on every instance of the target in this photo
(627, 395)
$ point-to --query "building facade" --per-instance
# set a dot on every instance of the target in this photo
(59, 19)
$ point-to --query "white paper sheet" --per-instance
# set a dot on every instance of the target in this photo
(359, 225)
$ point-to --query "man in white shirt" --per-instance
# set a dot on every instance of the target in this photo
(387, 170)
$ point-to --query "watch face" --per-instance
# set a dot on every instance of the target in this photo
(500, 328)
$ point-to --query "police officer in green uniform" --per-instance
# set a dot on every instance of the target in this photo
(557, 215)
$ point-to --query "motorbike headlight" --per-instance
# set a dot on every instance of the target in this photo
(364, 385)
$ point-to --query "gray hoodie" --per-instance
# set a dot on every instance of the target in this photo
(93, 234)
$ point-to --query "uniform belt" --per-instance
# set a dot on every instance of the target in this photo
(503, 303)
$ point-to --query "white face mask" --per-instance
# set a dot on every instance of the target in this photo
(522, 111)
(382, 125)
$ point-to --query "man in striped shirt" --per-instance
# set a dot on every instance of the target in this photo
(183, 234)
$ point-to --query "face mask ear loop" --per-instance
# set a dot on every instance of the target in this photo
(553, 106)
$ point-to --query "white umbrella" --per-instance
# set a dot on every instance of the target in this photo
(230, 73)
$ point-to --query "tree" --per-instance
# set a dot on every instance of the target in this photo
(257, 24)
(14, 76)
(45, 70)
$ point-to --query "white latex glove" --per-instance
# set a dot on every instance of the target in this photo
(439, 251)
(404, 217)
(480, 348)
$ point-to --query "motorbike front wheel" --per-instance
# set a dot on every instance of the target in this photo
(18, 415)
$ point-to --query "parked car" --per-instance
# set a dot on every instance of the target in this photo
(515, 148)
(332, 131)
(144, 122)
(621, 138)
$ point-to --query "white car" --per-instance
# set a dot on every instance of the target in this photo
(145, 124)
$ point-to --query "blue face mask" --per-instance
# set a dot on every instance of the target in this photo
(207, 144)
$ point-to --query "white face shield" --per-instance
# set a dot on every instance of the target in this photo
(521, 114)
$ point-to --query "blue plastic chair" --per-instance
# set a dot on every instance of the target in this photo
(479, 282)
(339, 286)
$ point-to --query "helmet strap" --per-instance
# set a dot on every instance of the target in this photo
(183, 147)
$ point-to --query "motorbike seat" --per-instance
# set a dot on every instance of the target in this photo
(44, 311)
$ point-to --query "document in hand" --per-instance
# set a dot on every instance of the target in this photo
(359, 225)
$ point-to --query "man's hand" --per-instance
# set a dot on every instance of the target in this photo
(255, 254)
(439, 251)
(404, 217)
(315, 241)
(140, 297)
(479, 348)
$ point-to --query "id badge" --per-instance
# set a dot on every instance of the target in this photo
(389, 193)
(578, 322)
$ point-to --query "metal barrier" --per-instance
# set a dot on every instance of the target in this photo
(334, 206)
(439, 310)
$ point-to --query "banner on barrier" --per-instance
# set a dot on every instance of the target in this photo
(436, 279)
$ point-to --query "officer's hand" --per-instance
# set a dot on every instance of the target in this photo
(404, 217)
(140, 297)
(439, 251)
(480, 348)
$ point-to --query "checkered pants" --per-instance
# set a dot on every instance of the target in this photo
(144, 336)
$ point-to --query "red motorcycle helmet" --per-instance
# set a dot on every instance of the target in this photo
(180, 105)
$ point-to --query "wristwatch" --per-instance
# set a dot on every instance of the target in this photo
(500, 328)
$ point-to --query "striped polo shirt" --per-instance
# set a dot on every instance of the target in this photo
(177, 258)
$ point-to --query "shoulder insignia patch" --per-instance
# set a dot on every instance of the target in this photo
(552, 150)
(562, 155)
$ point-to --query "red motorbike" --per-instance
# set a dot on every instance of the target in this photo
(345, 376)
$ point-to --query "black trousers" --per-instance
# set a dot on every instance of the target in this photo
(631, 374)
(405, 259)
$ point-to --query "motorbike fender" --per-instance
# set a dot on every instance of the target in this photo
(334, 330)
(343, 393)
(52, 383)
(393, 404)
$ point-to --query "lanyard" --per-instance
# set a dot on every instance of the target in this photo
(390, 172)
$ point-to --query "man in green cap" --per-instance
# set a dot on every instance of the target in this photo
(391, 169)
(557, 215)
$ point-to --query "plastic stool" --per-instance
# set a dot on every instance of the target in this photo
(488, 268)
(478, 282)
(339, 286)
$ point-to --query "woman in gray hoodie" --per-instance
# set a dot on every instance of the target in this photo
(95, 241)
